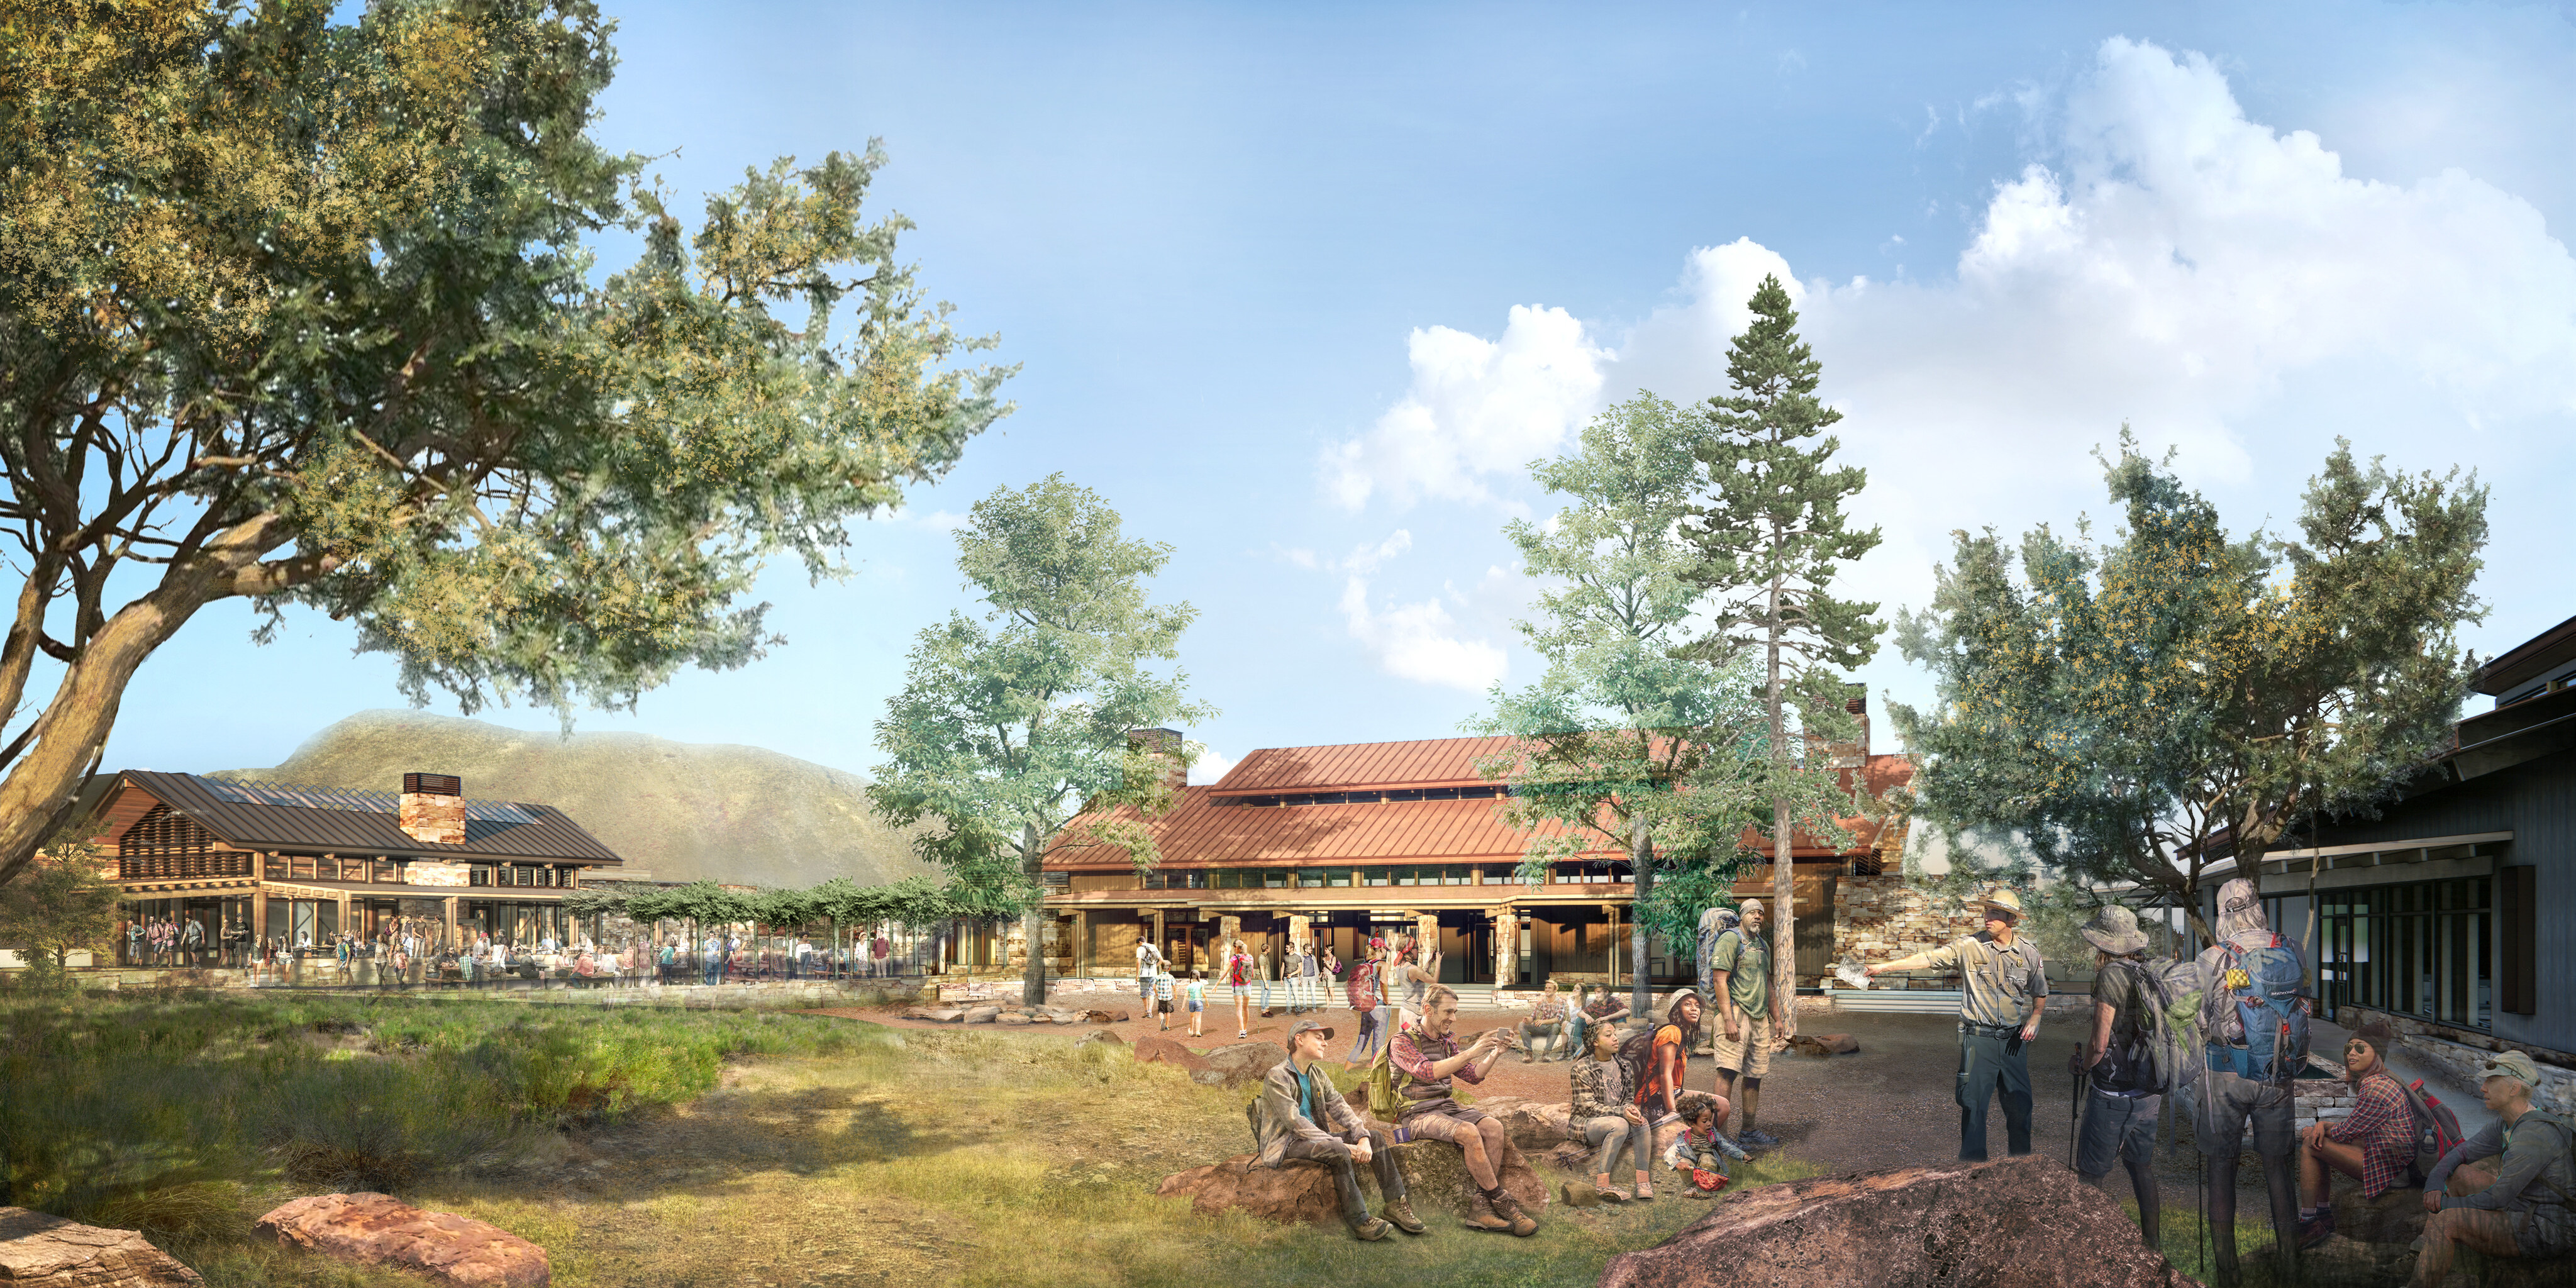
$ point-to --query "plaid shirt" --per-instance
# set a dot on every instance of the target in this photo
(2383, 1126)
(1549, 1008)
(1598, 1089)
(1413, 1054)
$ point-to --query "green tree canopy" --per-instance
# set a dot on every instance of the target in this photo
(1009, 727)
(63, 903)
(1772, 535)
(2140, 708)
(1627, 742)
(306, 313)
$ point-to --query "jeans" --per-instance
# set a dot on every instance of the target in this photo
(1989, 1063)
(1607, 1137)
(1377, 1030)
(1553, 1032)
(1265, 992)
(1336, 1154)
(2221, 1105)
(2122, 1128)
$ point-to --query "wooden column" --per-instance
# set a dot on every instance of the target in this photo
(259, 904)
(1081, 944)
(1158, 930)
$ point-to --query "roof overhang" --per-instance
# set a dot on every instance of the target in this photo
(2527, 661)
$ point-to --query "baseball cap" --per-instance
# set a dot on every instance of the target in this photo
(1310, 1026)
(2512, 1064)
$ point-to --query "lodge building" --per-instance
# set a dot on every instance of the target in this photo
(1345, 842)
(254, 862)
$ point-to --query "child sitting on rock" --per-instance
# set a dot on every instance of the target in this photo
(1700, 1151)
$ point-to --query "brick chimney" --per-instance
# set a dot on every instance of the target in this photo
(1165, 744)
(433, 808)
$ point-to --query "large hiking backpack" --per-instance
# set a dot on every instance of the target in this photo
(2163, 1048)
(1362, 991)
(2437, 1129)
(2266, 986)
(1383, 1080)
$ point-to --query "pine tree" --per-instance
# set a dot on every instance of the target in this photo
(1770, 539)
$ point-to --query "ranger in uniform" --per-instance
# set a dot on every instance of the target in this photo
(2005, 987)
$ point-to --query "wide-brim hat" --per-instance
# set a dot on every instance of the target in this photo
(2114, 930)
(2003, 897)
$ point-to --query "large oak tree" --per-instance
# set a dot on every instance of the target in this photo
(307, 313)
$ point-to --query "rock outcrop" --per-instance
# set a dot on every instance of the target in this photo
(1435, 1177)
(1107, 1017)
(40, 1250)
(379, 1230)
(1821, 1045)
(1154, 1048)
(1246, 1062)
(2025, 1222)
(1533, 1126)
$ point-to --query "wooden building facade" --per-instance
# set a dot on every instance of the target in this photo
(252, 863)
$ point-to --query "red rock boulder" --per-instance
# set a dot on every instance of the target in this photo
(1155, 1048)
(40, 1250)
(1435, 1178)
(379, 1230)
(2025, 1222)
(1821, 1045)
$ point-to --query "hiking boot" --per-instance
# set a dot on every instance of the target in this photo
(2316, 1229)
(1481, 1215)
(1608, 1193)
(1579, 1195)
(1370, 1232)
(1400, 1212)
(1521, 1224)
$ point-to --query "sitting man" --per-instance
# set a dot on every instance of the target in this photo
(2521, 1206)
(2375, 1145)
(1295, 1097)
(1546, 1023)
(1426, 1059)
(1596, 1006)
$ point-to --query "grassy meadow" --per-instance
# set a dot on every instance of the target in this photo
(683, 1147)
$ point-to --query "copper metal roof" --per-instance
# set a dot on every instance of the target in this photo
(239, 815)
(1434, 762)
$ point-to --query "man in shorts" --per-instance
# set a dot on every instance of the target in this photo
(1427, 1059)
(1739, 972)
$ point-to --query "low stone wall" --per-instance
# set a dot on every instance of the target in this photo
(2464, 1064)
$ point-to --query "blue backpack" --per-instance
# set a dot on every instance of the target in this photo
(2267, 986)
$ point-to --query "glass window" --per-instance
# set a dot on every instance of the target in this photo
(1340, 877)
(1225, 879)
(1275, 879)
(1375, 876)
(1195, 879)
(1404, 876)
(1155, 880)
(1310, 878)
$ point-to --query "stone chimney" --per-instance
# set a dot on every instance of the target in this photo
(433, 808)
(1165, 744)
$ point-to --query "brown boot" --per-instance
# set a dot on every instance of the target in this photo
(1399, 1212)
(1481, 1215)
(1521, 1224)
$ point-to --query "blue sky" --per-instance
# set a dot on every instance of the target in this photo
(1301, 290)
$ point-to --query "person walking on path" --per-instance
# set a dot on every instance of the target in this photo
(1268, 964)
(1238, 982)
(1163, 991)
(2255, 977)
(1302, 996)
(1365, 1000)
(1297, 1100)
(1414, 976)
(2004, 989)
(1198, 1003)
(1546, 1023)
(1611, 1122)
(2374, 1145)
(1738, 970)
(1428, 1061)
(1148, 963)
(2119, 1122)
(2524, 1205)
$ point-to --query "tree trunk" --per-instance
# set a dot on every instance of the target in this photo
(1641, 866)
(1033, 921)
(1784, 867)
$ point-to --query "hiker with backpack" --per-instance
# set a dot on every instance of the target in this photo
(1425, 1061)
(2254, 1024)
(1739, 970)
(2119, 1065)
(2374, 1145)
(1297, 1099)
(2523, 1205)
(1364, 991)
(2004, 988)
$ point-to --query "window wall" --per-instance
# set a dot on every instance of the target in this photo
(2424, 950)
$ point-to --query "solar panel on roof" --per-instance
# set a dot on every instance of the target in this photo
(244, 791)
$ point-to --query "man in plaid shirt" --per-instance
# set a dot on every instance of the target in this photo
(1427, 1060)
(2375, 1145)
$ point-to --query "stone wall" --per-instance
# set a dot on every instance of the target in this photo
(1882, 918)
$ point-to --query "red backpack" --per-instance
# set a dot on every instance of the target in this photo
(2437, 1128)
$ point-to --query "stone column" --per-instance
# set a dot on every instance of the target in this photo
(1507, 948)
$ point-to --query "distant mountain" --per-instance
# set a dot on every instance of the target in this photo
(678, 811)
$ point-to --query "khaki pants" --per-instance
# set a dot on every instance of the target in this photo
(1751, 1054)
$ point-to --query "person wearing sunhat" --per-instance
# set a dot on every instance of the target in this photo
(1297, 1098)
(2120, 1112)
(2004, 989)
(2522, 1205)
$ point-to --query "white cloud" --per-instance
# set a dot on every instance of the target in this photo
(1416, 641)
(1211, 766)
(1476, 407)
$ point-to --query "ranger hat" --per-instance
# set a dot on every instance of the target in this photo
(2004, 898)
(1309, 1026)
(2515, 1065)
(2114, 930)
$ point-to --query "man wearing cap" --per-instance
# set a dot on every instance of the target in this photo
(2004, 989)
(1296, 1096)
(1739, 967)
(2524, 1205)
(2120, 1114)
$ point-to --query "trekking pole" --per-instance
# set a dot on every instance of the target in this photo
(2075, 1117)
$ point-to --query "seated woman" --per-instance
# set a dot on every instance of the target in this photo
(2375, 1146)
(1611, 1123)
